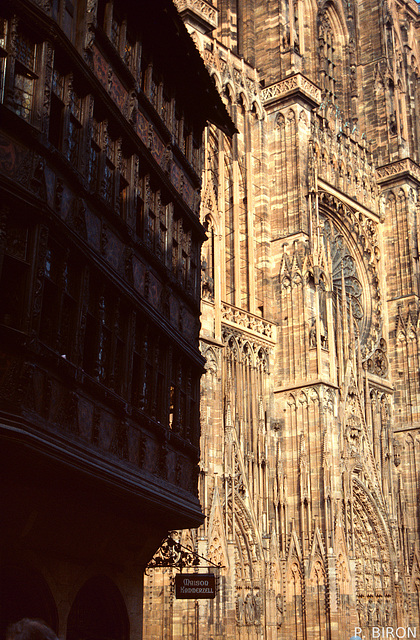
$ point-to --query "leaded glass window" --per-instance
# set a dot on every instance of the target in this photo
(3, 55)
(24, 81)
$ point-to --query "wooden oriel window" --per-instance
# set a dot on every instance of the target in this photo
(161, 409)
(56, 121)
(15, 272)
(166, 109)
(71, 279)
(196, 153)
(110, 145)
(90, 362)
(179, 128)
(165, 215)
(192, 282)
(152, 218)
(116, 30)
(3, 55)
(130, 49)
(65, 13)
(60, 300)
(154, 90)
(187, 142)
(66, 122)
(140, 203)
(94, 155)
(109, 169)
(139, 362)
(74, 131)
(176, 232)
(112, 341)
(24, 75)
(123, 195)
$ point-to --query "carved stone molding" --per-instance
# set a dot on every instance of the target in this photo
(398, 169)
(295, 84)
(252, 324)
(212, 356)
(319, 394)
(241, 79)
(201, 8)
(374, 575)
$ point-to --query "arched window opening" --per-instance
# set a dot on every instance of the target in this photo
(208, 260)
(328, 59)
(229, 234)
(296, 630)
(335, 50)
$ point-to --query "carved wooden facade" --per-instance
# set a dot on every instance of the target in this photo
(100, 235)
(310, 310)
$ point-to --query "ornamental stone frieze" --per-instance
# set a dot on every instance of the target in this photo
(248, 323)
(321, 394)
(291, 86)
(199, 11)
(399, 169)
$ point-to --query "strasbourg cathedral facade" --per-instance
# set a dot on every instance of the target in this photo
(281, 138)
(310, 402)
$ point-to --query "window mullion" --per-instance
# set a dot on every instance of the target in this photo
(67, 96)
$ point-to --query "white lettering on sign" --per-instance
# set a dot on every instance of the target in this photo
(387, 632)
(195, 586)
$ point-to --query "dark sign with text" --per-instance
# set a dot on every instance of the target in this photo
(195, 585)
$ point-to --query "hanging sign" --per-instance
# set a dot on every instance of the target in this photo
(195, 585)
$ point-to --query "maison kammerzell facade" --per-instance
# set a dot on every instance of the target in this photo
(102, 112)
(310, 445)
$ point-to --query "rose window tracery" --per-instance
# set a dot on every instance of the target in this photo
(351, 245)
(344, 267)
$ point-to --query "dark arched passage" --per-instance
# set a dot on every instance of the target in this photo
(24, 593)
(98, 612)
